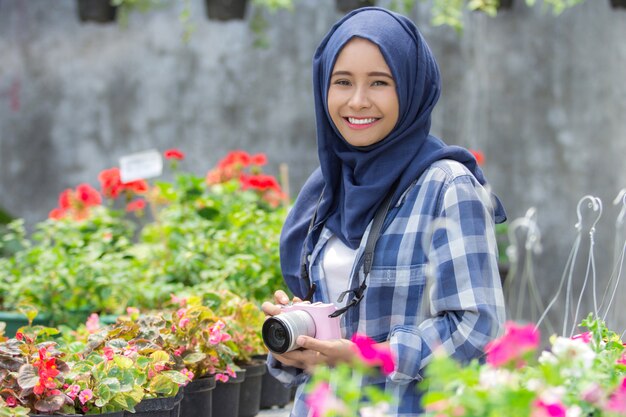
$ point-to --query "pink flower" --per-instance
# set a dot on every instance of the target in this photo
(11, 401)
(181, 312)
(231, 372)
(159, 367)
(85, 395)
(321, 400)
(73, 391)
(179, 351)
(541, 408)
(174, 154)
(617, 401)
(189, 374)
(373, 354)
(517, 341)
(585, 337)
(178, 300)
(592, 394)
(108, 353)
(221, 377)
(216, 335)
(183, 322)
(93, 323)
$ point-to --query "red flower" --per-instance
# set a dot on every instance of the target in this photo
(138, 187)
(11, 402)
(56, 214)
(88, 195)
(479, 155)
(110, 182)
(258, 159)
(136, 205)
(65, 199)
(235, 159)
(174, 154)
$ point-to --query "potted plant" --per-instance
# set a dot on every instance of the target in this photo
(99, 11)
(74, 266)
(346, 6)
(202, 348)
(245, 320)
(226, 9)
(618, 4)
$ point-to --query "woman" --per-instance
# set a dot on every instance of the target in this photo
(376, 83)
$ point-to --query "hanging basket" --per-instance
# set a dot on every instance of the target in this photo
(226, 9)
(346, 6)
(618, 4)
(505, 4)
(99, 11)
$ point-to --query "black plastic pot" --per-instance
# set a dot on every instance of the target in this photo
(618, 4)
(116, 414)
(250, 395)
(226, 9)
(346, 6)
(228, 395)
(14, 320)
(158, 407)
(505, 4)
(198, 398)
(273, 393)
(99, 11)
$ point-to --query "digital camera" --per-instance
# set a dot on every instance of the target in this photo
(301, 319)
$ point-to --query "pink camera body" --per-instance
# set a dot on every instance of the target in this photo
(326, 328)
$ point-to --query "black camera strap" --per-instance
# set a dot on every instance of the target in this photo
(368, 255)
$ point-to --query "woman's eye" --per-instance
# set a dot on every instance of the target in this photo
(342, 82)
(379, 83)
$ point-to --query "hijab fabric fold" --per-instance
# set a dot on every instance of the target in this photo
(353, 181)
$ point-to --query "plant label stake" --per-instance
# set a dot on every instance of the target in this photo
(140, 166)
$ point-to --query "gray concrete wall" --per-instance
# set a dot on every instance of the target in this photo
(543, 97)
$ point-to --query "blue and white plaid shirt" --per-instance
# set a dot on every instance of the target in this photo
(437, 241)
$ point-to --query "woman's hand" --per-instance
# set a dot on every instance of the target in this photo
(280, 298)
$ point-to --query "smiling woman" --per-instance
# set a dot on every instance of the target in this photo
(362, 98)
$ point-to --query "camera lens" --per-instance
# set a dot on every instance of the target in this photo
(280, 332)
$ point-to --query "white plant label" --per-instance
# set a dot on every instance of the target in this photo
(141, 166)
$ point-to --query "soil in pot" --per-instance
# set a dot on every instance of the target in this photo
(198, 398)
(228, 394)
(250, 395)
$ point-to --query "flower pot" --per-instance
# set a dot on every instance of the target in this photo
(346, 6)
(15, 320)
(228, 394)
(618, 4)
(273, 393)
(198, 398)
(158, 407)
(99, 11)
(226, 9)
(116, 414)
(250, 395)
(505, 4)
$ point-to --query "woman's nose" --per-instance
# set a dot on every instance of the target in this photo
(359, 99)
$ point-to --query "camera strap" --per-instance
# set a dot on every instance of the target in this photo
(368, 255)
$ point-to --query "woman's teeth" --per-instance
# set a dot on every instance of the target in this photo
(361, 121)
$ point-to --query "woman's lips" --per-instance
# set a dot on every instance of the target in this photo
(360, 122)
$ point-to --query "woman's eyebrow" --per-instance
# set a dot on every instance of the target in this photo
(370, 74)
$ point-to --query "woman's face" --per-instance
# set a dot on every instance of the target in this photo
(362, 99)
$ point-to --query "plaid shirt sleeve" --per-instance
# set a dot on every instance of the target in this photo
(463, 295)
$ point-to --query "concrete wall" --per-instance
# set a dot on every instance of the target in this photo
(543, 97)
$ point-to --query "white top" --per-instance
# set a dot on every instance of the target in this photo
(337, 262)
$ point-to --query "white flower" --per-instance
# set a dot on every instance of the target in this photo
(574, 411)
(496, 377)
(378, 410)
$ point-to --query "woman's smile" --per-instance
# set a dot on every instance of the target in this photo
(360, 123)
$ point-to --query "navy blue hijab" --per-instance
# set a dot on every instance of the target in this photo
(352, 181)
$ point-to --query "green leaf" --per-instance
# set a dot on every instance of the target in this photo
(194, 357)
(162, 384)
